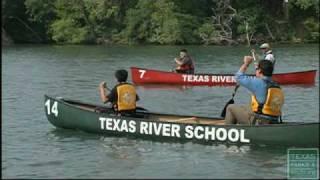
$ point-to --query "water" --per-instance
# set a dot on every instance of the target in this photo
(33, 148)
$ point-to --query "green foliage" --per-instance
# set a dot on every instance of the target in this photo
(189, 25)
(250, 16)
(198, 8)
(156, 22)
(137, 22)
(16, 24)
(300, 10)
(305, 4)
(165, 27)
(40, 11)
(77, 21)
(304, 15)
(312, 27)
(206, 32)
(66, 31)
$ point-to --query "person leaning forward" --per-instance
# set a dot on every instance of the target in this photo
(267, 97)
(184, 63)
(123, 96)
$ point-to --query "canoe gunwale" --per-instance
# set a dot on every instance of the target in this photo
(225, 74)
(142, 76)
(72, 116)
(71, 103)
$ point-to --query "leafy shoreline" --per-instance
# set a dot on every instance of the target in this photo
(162, 22)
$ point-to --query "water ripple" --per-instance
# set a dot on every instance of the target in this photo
(33, 148)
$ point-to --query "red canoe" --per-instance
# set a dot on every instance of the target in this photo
(150, 76)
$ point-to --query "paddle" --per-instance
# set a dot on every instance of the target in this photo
(174, 67)
(231, 101)
(254, 58)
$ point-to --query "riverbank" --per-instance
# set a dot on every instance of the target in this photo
(5, 39)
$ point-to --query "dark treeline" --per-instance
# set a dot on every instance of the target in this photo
(159, 21)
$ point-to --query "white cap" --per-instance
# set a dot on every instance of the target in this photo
(265, 46)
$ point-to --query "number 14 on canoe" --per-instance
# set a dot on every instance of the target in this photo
(77, 115)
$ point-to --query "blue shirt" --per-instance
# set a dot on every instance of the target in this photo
(256, 86)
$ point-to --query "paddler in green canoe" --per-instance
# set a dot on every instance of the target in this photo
(267, 97)
(123, 96)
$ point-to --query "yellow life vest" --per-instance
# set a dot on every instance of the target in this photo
(273, 103)
(126, 97)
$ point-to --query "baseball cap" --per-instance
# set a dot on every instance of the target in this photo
(265, 46)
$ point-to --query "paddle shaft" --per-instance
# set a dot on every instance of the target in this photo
(231, 101)
(238, 85)
(235, 90)
(254, 58)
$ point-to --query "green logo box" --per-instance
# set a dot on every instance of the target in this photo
(303, 163)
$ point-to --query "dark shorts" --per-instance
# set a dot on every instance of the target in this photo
(133, 114)
(190, 71)
(264, 119)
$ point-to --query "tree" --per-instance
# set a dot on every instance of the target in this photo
(248, 23)
(207, 33)
(158, 22)
(79, 21)
(161, 21)
(15, 23)
(219, 30)
(304, 19)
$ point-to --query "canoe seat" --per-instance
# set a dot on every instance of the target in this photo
(109, 111)
(134, 115)
(103, 110)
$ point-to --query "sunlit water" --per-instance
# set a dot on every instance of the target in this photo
(33, 148)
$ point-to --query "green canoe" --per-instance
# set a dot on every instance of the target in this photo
(72, 114)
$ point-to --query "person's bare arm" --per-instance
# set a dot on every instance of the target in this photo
(178, 61)
(102, 88)
(246, 62)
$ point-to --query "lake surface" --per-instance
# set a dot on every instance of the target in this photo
(33, 148)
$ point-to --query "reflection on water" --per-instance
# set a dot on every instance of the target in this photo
(129, 148)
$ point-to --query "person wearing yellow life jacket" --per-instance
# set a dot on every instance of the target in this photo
(184, 63)
(267, 97)
(123, 96)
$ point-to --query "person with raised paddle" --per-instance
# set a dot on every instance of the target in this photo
(267, 53)
(184, 63)
(267, 97)
(123, 96)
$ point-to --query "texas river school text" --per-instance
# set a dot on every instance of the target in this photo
(174, 130)
(208, 78)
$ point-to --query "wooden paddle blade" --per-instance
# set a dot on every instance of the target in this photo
(223, 113)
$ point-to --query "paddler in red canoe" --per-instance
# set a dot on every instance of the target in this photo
(184, 63)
